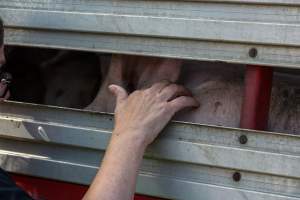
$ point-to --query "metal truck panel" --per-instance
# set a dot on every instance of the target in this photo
(202, 30)
(187, 161)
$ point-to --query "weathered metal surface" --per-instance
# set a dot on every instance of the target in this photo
(202, 30)
(188, 161)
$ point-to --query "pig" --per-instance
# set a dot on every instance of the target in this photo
(219, 88)
(213, 90)
(53, 77)
(132, 73)
(284, 116)
(71, 79)
(113, 73)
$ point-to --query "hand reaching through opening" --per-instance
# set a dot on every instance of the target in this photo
(139, 118)
(144, 113)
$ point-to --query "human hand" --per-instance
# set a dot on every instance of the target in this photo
(144, 113)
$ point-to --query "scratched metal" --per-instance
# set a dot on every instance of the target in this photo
(187, 161)
(201, 30)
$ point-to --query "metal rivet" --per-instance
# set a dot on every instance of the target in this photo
(253, 52)
(243, 139)
(237, 176)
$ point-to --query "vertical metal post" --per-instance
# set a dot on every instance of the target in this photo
(257, 96)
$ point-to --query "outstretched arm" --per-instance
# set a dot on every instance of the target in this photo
(139, 118)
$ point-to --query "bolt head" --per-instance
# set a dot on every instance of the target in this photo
(253, 52)
(243, 139)
(237, 176)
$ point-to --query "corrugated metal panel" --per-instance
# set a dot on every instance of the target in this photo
(202, 30)
(188, 161)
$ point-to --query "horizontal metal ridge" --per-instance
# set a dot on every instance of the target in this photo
(201, 30)
(192, 157)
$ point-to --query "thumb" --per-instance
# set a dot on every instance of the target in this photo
(119, 92)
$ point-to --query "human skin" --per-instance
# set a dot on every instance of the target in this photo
(139, 118)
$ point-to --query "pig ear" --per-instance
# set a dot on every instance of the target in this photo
(119, 92)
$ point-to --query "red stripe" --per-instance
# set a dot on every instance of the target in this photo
(40, 188)
(257, 96)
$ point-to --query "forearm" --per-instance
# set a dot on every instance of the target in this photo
(116, 178)
(145, 113)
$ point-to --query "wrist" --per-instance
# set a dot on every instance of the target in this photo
(133, 139)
